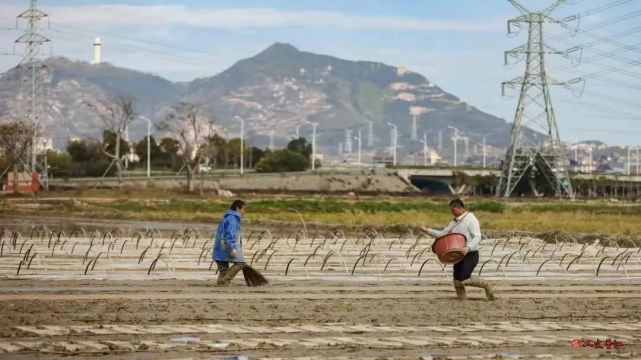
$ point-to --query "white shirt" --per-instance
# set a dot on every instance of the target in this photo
(466, 224)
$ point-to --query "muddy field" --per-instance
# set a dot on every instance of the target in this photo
(148, 293)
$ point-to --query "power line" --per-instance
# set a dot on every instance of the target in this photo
(172, 57)
(610, 40)
(605, 7)
(611, 112)
(610, 131)
(614, 99)
(144, 41)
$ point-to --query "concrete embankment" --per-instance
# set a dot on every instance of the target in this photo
(299, 182)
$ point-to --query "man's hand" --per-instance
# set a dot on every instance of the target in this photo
(466, 250)
(232, 254)
(424, 228)
(430, 231)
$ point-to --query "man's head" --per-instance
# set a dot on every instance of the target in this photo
(238, 205)
(457, 207)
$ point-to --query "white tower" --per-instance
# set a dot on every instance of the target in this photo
(414, 134)
(96, 51)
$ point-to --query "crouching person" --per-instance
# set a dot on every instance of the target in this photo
(228, 247)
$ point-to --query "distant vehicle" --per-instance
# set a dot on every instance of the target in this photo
(204, 168)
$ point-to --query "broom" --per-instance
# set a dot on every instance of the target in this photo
(253, 277)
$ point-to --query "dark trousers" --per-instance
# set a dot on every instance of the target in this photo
(464, 268)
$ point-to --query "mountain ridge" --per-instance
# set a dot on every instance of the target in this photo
(278, 89)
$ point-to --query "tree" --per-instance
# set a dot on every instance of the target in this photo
(89, 159)
(84, 151)
(155, 151)
(169, 148)
(217, 151)
(3, 163)
(233, 151)
(301, 146)
(61, 164)
(184, 123)
(254, 156)
(109, 143)
(15, 139)
(282, 161)
(116, 117)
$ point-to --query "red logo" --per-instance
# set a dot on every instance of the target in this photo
(596, 344)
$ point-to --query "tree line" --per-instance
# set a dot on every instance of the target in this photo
(188, 143)
(86, 157)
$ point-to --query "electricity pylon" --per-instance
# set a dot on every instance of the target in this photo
(542, 167)
(33, 67)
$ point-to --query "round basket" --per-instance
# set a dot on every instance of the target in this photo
(450, 248)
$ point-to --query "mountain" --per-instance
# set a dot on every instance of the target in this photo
(282, 87)
(278, 89)
(70, 85)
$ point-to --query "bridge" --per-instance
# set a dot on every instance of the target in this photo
(439, 180)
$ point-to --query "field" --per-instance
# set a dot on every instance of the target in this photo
(581, 217)
(110, 276)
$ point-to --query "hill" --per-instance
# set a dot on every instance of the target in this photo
(278, 89)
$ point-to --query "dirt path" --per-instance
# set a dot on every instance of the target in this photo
(326, 320)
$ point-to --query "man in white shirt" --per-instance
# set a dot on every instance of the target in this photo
(465, 223)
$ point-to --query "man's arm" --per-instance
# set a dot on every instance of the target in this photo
(431, 232)
(474, 228)
(230, 234)
(435, 233)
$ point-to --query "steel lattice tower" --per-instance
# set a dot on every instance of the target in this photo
(32, 73)
(542, 167)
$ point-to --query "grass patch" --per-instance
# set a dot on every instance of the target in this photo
(489, 206)
(596, 209)
(386, 212)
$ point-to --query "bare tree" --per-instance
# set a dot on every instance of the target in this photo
(184, 123)
(116, 116)
(15, 140)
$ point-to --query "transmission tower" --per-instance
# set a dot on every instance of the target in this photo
(32, 72)
(543, 167)
(348, 141)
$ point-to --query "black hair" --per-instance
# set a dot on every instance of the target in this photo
(237, 205)
(457, 203)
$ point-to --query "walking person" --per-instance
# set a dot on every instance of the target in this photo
(228, 247)
(465, 223)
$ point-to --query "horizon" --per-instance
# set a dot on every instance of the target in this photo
(461, 52)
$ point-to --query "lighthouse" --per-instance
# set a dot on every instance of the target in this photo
(97, 45)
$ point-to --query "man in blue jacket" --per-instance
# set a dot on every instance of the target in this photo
(228, 246)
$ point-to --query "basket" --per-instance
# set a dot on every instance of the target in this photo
(450, 248)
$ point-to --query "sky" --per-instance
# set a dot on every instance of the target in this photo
(457, 44)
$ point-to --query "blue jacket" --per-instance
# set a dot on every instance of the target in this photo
(227, 238)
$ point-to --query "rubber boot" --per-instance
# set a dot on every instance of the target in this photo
(229, 276)
(223, 268)
(478, 282)
(460, 290)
